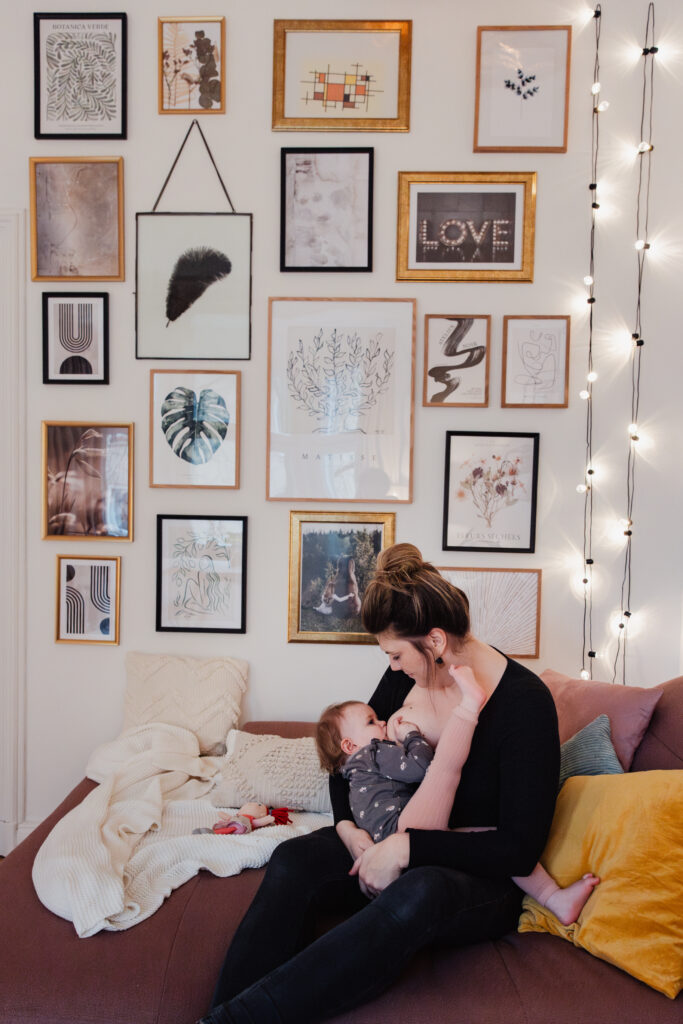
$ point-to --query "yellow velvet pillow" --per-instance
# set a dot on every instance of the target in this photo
(628, 829)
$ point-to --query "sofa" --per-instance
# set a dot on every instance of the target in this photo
(162, 971)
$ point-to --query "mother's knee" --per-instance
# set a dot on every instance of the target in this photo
(417, 893)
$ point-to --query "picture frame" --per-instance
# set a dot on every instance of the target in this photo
(75, 337)
(69, 51)
(76, 218)
(201, 574)
(326, 199)
(87, 477)
(192, 65)
(490, 489)
(505, 606)
(456, 360)
(340, 399)
(88, 600)
(193, 285)
(522, 90)
(535, 362)
(194, 428)
(332, 557)
(341, 75)
(466, 226)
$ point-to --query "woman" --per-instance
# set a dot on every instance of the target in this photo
(421, 886)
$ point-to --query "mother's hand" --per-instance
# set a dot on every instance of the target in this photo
(381, 864)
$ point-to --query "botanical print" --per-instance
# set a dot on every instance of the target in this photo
(88, 595)
(191, 66)
(75, 335)
(193, 272)
(456, 360)
(86, 480)
(337, 563)
(504, 606)
(535, 361)
(474, 227)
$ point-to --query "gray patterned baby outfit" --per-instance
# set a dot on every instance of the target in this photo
(382, 777)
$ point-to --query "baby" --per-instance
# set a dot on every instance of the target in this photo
(384, 763)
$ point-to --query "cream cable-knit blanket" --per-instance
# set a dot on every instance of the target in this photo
(112, 860)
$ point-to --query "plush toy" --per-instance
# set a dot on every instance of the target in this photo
(249, 817)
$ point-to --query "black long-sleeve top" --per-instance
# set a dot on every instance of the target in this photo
(509, 779)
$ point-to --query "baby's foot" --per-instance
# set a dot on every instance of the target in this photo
(567, 904)
(473, 697)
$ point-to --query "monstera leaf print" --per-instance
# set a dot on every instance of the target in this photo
(194, 427)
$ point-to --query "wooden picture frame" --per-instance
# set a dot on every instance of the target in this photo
(505, 606)
(332, 557)
(194, 428)
(535, 362)
(192, 65)
(466, 226)
(491, 480)
(340, 399)
(522, 91)
(457, 358)
(75, 337)
(69, 51)
(87, 481)
(201, 574)
(326, 209)
(88, 600)
(76, 218)
(341, 75)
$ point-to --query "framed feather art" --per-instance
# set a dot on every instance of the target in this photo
(193, 285)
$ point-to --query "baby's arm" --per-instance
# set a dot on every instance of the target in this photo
(405, 761)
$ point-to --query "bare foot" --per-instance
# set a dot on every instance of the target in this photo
(567, 904)
(473, 696)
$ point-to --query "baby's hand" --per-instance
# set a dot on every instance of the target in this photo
(403, 728)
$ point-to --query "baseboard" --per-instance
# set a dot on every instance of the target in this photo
(8, 837)
(24, 830)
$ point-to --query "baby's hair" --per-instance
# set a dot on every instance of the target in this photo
(328, 736)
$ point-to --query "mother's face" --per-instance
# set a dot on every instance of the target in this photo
(403, 655)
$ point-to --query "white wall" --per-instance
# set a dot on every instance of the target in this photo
(73, 692)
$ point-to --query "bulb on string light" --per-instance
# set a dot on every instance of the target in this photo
(595, 88)
(645, 147)
(642, 244)
(581, 488)
(584, 673)
(585, 395)
(588, 280)
(592, 376)
(633, 429)
(602, 106)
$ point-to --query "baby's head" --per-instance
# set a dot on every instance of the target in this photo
(343, 729)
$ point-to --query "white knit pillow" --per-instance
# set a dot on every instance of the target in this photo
(203, 695)
(272, 771)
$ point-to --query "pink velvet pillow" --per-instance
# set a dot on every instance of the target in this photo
(579, 701)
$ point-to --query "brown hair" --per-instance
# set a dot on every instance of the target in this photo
(328, 737)
(410, 597)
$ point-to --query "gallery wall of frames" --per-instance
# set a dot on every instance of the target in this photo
(297, 289)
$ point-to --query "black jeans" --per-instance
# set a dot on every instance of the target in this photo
(275, 972)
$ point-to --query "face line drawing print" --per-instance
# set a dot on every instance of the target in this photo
(349, 90)
(200, 589)
(538, 356)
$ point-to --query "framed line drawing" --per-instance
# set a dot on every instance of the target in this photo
(87, 481)
(192, 65)
(76, 218)
(201, 574)
(194, 428)
(466, 226)
(326, 209)
(505, 606)
(456, 364)
(490, 491)
(340, 399)
(193, 285)
(75, 337)
(80, 76)
(522, 94)
(88, 600)
(341, 75)
(535, 362)
(332, 557)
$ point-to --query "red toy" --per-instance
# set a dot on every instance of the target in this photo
(251, 816)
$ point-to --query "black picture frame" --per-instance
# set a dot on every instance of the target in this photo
(82, 339)
(494, 474)
(198, 588)
(319, 240)
(107, 100)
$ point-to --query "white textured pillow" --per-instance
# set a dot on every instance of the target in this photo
(200, 694)
(272, 771)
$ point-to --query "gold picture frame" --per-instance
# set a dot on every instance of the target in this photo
(466, 226)
(76, 218)
(311, 70)
(87, 612)
(87, 479)
(535, 362)
(333, 566)
(196, 88)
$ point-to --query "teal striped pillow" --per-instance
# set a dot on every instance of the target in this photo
(590, 752)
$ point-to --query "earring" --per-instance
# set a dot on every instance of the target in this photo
(439, 660)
